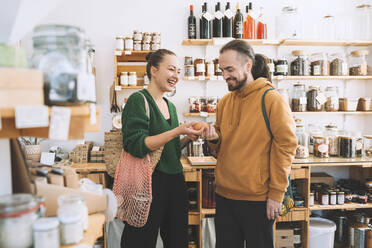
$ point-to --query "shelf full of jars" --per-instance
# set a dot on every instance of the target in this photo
(138, 42)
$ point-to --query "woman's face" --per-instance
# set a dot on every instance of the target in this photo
(167, 74)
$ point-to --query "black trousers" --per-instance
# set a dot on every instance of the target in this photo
(168, 211)
(239, 221)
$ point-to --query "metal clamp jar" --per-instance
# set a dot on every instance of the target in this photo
(299, 100)
(319, 64)
(358, 63)
(338, 65)
(321, 147)
(331, 93)
(199, 67)
(315, 99)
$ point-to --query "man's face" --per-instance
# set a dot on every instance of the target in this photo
(234, 69)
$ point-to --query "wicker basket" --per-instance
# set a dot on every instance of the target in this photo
(33, 152)
(113, 146)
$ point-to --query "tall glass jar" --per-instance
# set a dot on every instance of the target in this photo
(319, 64)
(338, 65)
(367, 148)
(299, 99)
(331, 132)
(314, 131)
(298, 64)
(302, 150)
(69, 203)
(289, 24)
(328, 28)
(331, 93)
(358, 63)
(362, 22)
(315, 99)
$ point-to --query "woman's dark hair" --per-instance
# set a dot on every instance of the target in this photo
(260, 67)
(155, 58)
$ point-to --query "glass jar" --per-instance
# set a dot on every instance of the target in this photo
(285, 95)
(132, 79)
(314, 130)
(340, 198)
(311, 199)
(18, 212)
(203, 104)
(217, 69)
(324, 197)
(281, 67)
(297, 237)
(212, 104)
(299, 100)
(328, 28)
(331, 132)
(367, 141)
(189, 71)
(188, 60)
(46, 233)
(199, 67)
(364, 104)
(362, 22)
(155, 46)
(358, 63)
(289, 24)
(347, 146)
(71, 226)
(321, 147)
(298, 64)
(319, 64)
(156, 37)
(146, 46)
(119, 43)
(60, 53)
(73, 202)
(302, 150)
(332, 198)
(128, 43)
(331, 93)
(137, 35)
(194, 104)
(124, 79)
(137, 45)
(210, 68)
(315, 99)
(338, 65)
(358, 143)
(147, 37)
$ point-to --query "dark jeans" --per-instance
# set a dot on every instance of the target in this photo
(239, 221)
(168, 211)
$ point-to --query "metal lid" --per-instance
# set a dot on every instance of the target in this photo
(298, 52)
(17, 204)
(70, 199)
(358, 53)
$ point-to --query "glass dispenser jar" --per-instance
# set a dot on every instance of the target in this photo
(298, 65)
(302, 150)
(362, 22)
(289, 24)
(299, 99)
(358, 63)
(331, 93)
(331, 132)
(328, 27)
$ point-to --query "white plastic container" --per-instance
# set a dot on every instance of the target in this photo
(321, 233)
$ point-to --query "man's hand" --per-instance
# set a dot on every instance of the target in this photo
(210, 133)
(273, 209)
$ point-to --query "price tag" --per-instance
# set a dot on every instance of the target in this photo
(59, 123)
(220, 78)
(118, 53)
(201, 78)
(204, 114)
(213, 78)
(190, 78)
(321, 99)
(208, 16)
(218, 15)
(229, 14)
(47, 158)
(31, 116)
(303, 100)
(93, 114)
(127, 52)
(117, 88)
(95, 148)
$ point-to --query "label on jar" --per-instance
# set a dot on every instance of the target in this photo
(200, 68)
(325, 200)
(303, 100)
(218, 15)
(340, 199)
(317, 70)
(333, 200)
(210, 69)
(208, 16)
(229, 14)
(321, 98)
(359, 145)
(296, 239)
(282, 68)
(311, 201)
(323, 148)
(192, 30)
(220, 78)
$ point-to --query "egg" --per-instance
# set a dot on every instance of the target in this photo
(200, 125)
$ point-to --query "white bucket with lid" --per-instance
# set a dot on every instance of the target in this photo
(321, 233)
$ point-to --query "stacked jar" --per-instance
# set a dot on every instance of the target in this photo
(189, 67)
(137, 39)
(146, 40)
(156, 41)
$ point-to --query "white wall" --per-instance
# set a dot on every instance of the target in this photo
(103, 20)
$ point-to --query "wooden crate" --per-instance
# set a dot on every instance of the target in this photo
(192, 176)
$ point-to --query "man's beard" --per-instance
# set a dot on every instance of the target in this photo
(239, 85)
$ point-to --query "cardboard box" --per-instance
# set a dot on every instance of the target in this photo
(56, 179)
(321, 177)
(20, 87)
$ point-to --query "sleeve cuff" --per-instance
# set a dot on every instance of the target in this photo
(276, 195)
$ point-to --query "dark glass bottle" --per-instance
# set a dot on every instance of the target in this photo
(191, 24)
(205, 23)
(227, 21)
(217, 22)
(238, 23)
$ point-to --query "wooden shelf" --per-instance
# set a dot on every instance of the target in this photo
(279, 78)
(334, 113)
(79, 124)
(198, 115)
(291, 42)
(89, 167)
(204, 78)
(134, 56)
(345, 206)
(95, 230)
(197, 42)
(332, 161)
(132, 87)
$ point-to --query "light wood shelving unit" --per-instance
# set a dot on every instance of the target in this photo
(279, 78)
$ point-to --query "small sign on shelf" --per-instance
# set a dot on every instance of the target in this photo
(127, 52)
(31, 116)
(118, 53)
(204, 114)
(117, 88)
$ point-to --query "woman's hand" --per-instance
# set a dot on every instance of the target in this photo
(210, 133)
(186, 129)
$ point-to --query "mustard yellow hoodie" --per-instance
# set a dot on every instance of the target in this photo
(244, 170)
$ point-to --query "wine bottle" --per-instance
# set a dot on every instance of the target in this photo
(217, 22)
(261, 26)
(238, 23)
(227, 21)
(205, 23)
(191, 24)
(250, 24)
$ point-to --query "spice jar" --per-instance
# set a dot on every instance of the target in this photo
(137, 35)
(199, 67)
(321, 147)
(124, 79)
(285, 95)
(298, 64)
(189, 70)
(332, 133)
(358, 63)
(340, 198)
(147, 37)
(338, 65)
(146, 46)
(364, 104)
(71, 227)
(324, 197)
(128, 43)
(46, 233)
(315, 99)
(281, 67)
(332, 198)
(331, 93)
(194, 104)
(137, 45)
(311, 199)
(119, 43)
(217, 69)
(132, 78)
(347, 146)
(319, 64)
(302, 150)
(299, 100)
(188, 60)
(155, 46)
(210, 68)
(156, 37)
(367, 140)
